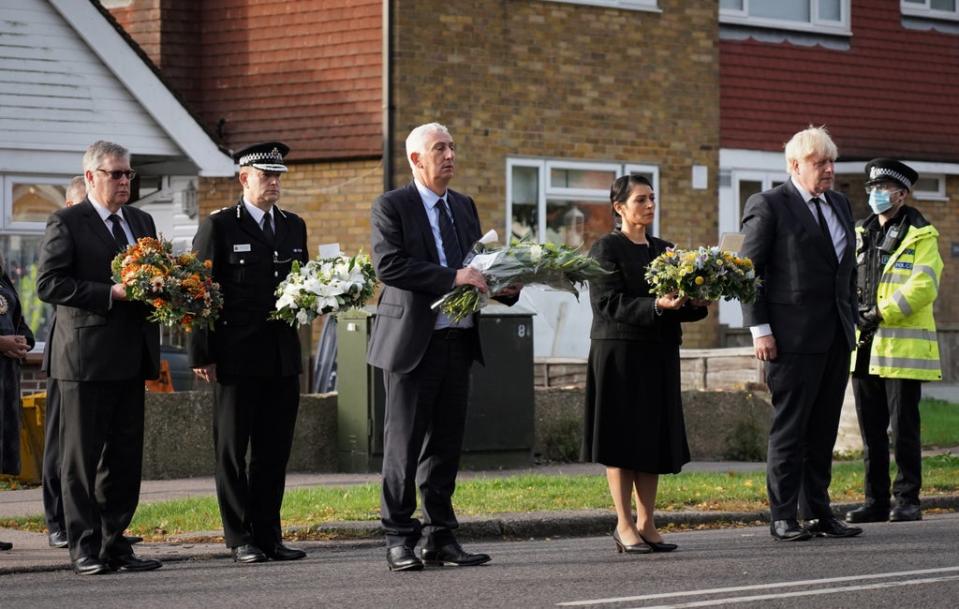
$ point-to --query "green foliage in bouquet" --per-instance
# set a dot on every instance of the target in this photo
(180, 288)
(524, 262)
(327, 285)
(707, 273)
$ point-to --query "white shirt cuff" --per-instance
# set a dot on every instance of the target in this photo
(760, 330)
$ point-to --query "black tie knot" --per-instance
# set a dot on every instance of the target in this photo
(268, 228)
(451, 244)
(117, 229)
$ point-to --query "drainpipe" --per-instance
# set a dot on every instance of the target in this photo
(387, 97)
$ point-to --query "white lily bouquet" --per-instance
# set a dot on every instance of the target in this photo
(325, 285)
(524, 262)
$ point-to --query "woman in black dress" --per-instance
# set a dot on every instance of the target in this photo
(15, 340)
(634, 413)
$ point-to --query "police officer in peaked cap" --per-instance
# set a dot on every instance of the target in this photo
(253, 363)
(899, 267)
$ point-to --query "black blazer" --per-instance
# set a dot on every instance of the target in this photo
(807, 294)
(406, 261)
(92, 340)
(622, 302)
(248, 269)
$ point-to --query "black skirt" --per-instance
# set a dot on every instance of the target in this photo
(634, 411)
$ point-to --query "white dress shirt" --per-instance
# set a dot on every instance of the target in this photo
(105, 215)
(258, 214)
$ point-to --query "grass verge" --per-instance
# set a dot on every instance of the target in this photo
(529, 493)
(939, 423)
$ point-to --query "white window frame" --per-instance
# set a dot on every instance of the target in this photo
(546, 191)
(7, 224)
(932, 195)
(629, 5)
(815, 24)
(925, 10)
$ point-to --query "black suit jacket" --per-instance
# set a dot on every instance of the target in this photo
(806, 291)
(406, 261)
(248, 269)
(92, 340)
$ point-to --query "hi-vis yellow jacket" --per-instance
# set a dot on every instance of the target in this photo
(905, 344)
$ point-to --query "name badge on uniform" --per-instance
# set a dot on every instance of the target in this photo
(242, 247)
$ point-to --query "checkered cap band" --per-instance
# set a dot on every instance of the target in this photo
(877, 173)
(272, 157)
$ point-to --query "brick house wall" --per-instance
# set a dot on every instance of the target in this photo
(635, 87)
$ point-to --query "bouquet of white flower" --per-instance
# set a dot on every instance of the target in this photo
(327, 285)
(545, 264)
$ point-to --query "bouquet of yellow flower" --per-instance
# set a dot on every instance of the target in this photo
(327, 285)
(707, 273)
(180, 288)
(524, 262)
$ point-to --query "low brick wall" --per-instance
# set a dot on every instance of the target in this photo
(720, 425)
(178, 439)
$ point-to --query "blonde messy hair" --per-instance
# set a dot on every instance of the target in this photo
(812, 141)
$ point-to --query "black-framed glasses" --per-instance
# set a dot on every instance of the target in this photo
(119, 173)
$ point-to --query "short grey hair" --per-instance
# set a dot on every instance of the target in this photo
(77, 189)
(416, 140)
(810, 141)
(101, 149)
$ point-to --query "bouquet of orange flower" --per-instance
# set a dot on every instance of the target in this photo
(180, 288)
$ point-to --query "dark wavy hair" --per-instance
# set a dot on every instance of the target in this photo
(622, 188)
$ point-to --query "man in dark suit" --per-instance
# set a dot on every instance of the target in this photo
(800, 238)
(254, 363)
(420, 234)
(103, 348)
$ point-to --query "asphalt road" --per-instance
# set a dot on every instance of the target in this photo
(913, 565)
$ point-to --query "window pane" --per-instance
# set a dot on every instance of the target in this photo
(747, 188)
(577, 223)
(789, 10)
(525, 200)
(582, 178)
(943, 5)
(736, 5)
(925, 184)
(830, 10)
(20, 255)
(35, 202)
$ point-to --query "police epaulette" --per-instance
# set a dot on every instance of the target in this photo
(216, 211)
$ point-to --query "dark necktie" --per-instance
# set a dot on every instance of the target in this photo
(451, 244)
(268, 228)
(822, 219)
(118, 233)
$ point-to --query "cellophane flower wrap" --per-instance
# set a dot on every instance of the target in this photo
(327, 285)
(179, 287)
(707, 273)
(524, 262)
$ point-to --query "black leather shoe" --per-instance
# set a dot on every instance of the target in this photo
(5, 545)
(282, 552)
(831, 527)
(452, 554)
(130, 562)
(868, 513)
(661, 546)
(132, 539)
(88, 565)
(905, 513)
(247, 553)
(58, 539)
(788, 530)
(402, 558)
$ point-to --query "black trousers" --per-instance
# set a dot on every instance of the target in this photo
(807, 394)
(255, 414)
(101, 439)
(423, 438)
(52, 493)
(880, 402)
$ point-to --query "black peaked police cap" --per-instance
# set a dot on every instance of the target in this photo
(267, 156)
(890, 170)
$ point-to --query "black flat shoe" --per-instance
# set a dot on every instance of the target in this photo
(831, 527)
(131, 562)
(57, 539)
(282, 552)
(402, 558)
(868, 513)
(132, 539)
(659, 546)
(636, 548)
(88, 565)
(788, 530)
(5, 545)
(905, 513)
(452, 554)
(247, 553)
